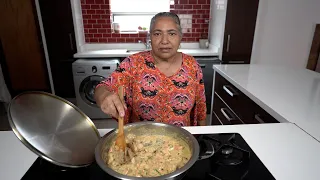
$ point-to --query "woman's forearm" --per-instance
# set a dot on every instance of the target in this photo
(100, 93)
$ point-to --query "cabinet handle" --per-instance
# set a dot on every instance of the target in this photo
(227, 89)
(70, 39)
(228, 43)
(258, 118)
(235, 62)
(202, 65)
(223, 111)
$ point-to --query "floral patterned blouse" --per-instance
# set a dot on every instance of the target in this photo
(152, 96)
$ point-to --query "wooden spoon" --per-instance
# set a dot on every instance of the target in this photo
(120, 141)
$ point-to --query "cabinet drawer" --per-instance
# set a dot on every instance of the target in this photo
(215, 119)
(234, 98)
(261, 116)
(223, 113)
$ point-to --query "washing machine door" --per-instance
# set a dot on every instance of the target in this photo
(87, 88)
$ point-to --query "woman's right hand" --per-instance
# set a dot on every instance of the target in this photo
(109, 102)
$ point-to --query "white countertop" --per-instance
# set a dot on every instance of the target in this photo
(287, 94)
(287, 151)
(124, 53)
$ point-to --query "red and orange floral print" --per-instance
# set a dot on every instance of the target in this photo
(152, 96)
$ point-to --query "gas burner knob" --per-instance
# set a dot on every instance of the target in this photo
(94, 69)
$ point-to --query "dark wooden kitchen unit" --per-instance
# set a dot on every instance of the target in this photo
(59, 32)
(22, 53)
(239, 30)
(231, 106)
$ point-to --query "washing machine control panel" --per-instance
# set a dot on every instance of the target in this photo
(80, 70)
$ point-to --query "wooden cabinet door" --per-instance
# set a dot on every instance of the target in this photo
(60, 38)
(21, 45)
(58, 28)
(63, 79)
(314, 55)
(239, 30)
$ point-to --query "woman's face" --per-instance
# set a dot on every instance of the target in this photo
(165, 38)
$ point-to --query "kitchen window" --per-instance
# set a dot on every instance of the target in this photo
(135, 16)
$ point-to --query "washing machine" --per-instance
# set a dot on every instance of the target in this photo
(87, 74)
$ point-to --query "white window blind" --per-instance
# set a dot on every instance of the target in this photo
(131, 14)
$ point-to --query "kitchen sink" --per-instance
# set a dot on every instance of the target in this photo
(135, 50)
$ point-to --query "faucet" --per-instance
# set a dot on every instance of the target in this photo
(148, 41)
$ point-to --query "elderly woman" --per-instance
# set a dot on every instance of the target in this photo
(161, 85)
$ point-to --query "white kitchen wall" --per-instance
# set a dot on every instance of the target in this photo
(78, 24)
(216, 27)
(284, 32)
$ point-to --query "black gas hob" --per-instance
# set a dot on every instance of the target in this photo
(223, 156)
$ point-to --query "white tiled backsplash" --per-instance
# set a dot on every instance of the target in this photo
(186, 22)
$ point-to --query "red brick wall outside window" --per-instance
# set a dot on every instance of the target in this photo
(97, 21)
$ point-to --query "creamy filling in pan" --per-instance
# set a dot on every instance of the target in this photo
(148, 155)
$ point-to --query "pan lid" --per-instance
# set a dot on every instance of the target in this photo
(53, 128)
